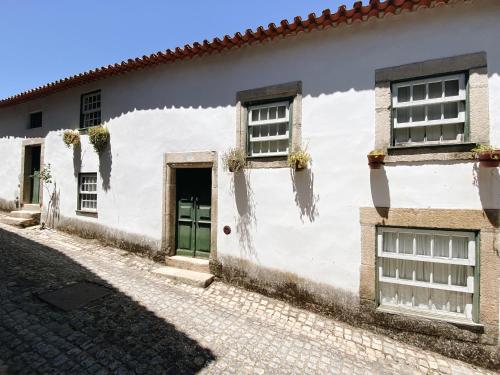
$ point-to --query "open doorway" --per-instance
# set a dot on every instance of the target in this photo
(31, 180)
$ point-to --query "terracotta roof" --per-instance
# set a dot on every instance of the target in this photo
(359, 12)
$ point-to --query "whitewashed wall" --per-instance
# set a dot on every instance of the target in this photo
(307, 224)
(10, 165)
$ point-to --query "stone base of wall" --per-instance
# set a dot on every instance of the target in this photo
(113, 237)
(438, 336)
(6, 205)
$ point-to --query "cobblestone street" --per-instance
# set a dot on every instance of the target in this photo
(152, 325)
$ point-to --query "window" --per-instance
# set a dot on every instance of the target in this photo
(429, 111)
(269, 129)
(87, 193)
(427, 271)
(35, 120)
(90, 109)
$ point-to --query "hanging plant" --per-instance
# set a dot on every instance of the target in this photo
(489, 157)
(99, 137)
(376, 159)
(234, 160)
(71, 137)
(299, 159)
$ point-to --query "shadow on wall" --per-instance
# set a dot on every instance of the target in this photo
(52, 214)
(488, 182)
(245, 205)
(105, 166)
(305, 199)
(381, 195)
(77, 159)
(119, 334)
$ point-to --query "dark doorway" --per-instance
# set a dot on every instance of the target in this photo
(193, 197)
(31, 178)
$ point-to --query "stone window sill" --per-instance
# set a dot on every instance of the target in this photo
(422, 153)
(267, 162)
(456, 321)
(86, 213)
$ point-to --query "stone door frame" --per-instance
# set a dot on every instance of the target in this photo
(171, 162)
(30, 143)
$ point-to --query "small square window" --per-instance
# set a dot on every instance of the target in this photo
(434, 113)
(90, 114)
(35, 120)
(87, 192)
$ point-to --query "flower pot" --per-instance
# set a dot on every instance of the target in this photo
(375, 161)
(489, 159)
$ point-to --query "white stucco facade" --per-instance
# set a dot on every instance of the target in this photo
(305, 224)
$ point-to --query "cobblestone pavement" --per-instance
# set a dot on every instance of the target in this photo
(152, 325)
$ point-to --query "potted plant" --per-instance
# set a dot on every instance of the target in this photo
(234, 160)
(298, 159)
(71, 137)
(99, 137)
(376, 159)
(489, 157)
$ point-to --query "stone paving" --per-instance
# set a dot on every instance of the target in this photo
(153, 326)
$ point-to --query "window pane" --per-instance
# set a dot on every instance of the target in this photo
(423, 271)
(417, 134)
(423, 244)
(418, 114)
(452, 132)
(282, 128)
(388, 294)
(451, 88)
(460, 247)
(402, 135)
(389, 267)
(441, 246)
(406, 269)
(439, 300)
(406, 243)
(281, 112)
(434, 112)
(403, 115)
(458, 275)
(272, 113)
(435, 90)
(404, 94)
(419, 92)
(389, 242)
(440, 273)
(283, 146)
(450, 110)
(255, 115)
(459, 301)
(405, 295)
(263, 114)
(433, 133)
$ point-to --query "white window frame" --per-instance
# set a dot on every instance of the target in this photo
(85, 112)
(252, 123)
(461, 99)
(470, 261)
(82, 192)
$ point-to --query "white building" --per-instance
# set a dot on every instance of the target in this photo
(415, 239)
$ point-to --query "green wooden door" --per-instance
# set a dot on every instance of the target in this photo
(193, 212)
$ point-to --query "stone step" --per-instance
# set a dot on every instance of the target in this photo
(18, 221)
(31, 207)
(188, 263)
(199, 279)
(25, 214)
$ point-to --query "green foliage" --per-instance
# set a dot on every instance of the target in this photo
(482, 148)
(299, 158)
(377, 152)
(99, 137)
(45, 175)
(235, 159)
(71, 137)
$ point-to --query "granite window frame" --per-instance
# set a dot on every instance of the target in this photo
(290, 91)
(474, 66)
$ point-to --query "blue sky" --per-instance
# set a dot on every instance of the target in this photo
(44, 40)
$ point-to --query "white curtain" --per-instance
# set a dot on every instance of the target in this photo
(460, 247)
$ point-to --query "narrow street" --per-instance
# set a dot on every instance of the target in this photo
(146, 324)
